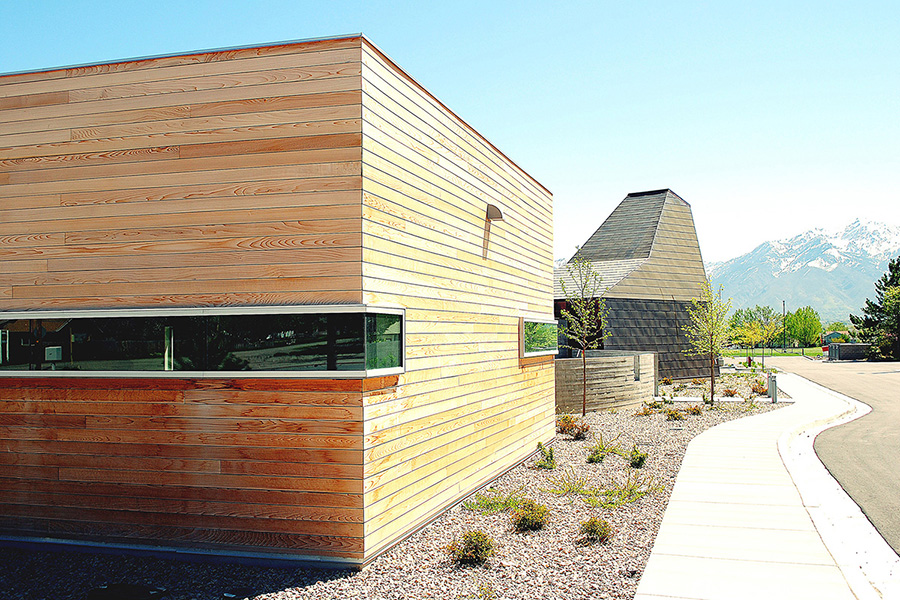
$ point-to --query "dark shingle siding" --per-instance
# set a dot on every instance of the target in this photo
(647, 251)
(657, 326)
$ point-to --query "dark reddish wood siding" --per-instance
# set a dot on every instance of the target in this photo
(271, 464)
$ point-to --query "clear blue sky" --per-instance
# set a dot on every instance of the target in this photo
(769, 118)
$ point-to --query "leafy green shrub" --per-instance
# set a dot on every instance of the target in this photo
(696, 381)
(636, 458)
(530, 516)
(729, 392)
(546, 461)
(680, 387)
(494, 501)
(666, 381)
(759, 388)
(595, 456)
(673, 414)
(595, 530)
(694, 409)
(474, 548)
(655, 404)
(565, 423)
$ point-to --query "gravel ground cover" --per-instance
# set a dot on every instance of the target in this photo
(741, 382)
(546, 564)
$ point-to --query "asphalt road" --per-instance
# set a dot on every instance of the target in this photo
(863, 455)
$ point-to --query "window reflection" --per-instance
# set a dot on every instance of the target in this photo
(253, 342)
(540, 337)
(383, 343)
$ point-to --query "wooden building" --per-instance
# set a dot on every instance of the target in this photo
(260, 302)
(648, 257)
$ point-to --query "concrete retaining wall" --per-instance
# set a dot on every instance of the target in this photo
(614, 380)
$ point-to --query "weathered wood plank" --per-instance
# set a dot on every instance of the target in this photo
(270, 440)
(275, 90)
(318, 460)
(29, 100)
(335, 169)
(323, 149)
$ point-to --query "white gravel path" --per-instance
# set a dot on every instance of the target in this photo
(545, 564)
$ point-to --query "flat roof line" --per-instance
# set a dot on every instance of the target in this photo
(359, 36)
(119, 61)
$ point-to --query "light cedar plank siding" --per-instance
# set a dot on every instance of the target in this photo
(465, 410)
(342, 59)
(128, 206)
(211, 179)
(306, 173)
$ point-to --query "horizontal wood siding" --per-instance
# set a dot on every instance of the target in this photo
(611, 382)
(466, 409)
(228, 177)
(298, 174)
(264, 464)
(216, 178)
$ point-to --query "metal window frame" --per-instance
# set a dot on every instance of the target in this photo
(522, 338)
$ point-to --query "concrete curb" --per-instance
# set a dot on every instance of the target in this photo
(869, 564)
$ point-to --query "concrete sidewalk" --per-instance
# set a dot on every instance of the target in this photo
(754, 514)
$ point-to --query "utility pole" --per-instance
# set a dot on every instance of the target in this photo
(783, 325)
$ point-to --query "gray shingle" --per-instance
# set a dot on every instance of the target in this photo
(628, 232)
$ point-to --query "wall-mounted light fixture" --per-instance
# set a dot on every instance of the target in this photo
(493, 214)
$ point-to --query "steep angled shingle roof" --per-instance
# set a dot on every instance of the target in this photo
(629, 231)
(611, 272)
(647, 248)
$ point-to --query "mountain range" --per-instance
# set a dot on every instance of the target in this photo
(832, 271)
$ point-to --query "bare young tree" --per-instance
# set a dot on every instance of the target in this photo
(585, 314)
(708, 330)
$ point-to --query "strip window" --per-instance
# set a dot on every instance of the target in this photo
(294, 341)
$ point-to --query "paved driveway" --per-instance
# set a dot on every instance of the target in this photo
(863, 455)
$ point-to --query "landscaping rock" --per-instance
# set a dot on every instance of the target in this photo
(546, 564)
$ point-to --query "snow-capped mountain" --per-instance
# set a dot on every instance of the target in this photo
(832, 271)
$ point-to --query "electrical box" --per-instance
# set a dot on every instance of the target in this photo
(53, 353)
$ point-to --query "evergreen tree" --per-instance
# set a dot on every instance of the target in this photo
(875, 324)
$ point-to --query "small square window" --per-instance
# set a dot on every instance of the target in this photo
(539, 338)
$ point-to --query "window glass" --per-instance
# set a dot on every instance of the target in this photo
(383, 341)
(253, 342)
(540, 338)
